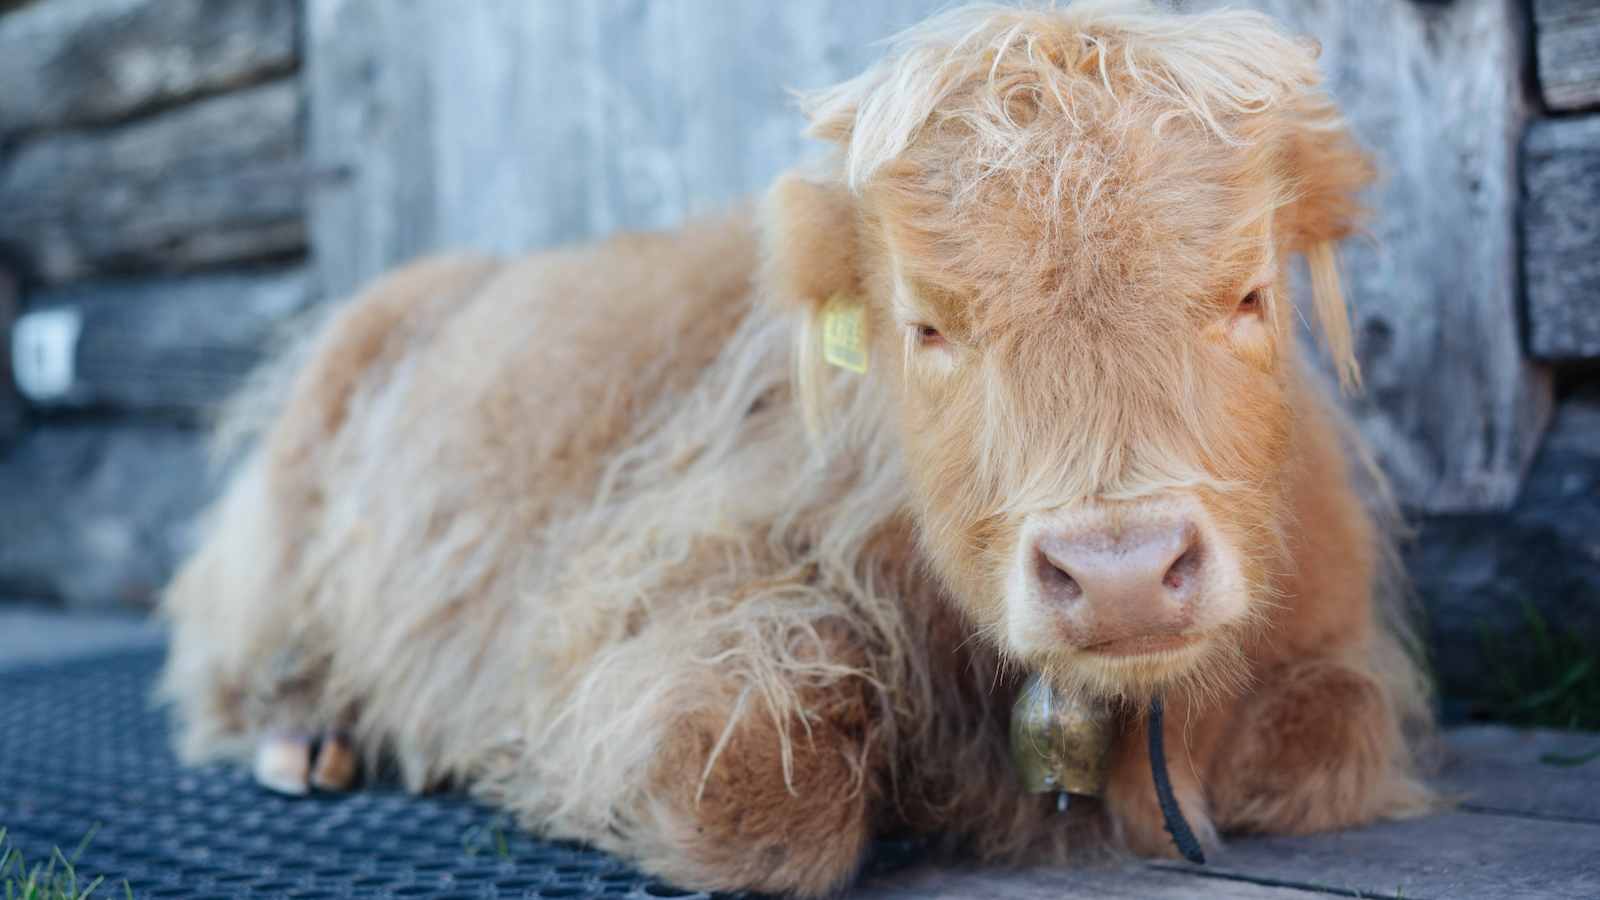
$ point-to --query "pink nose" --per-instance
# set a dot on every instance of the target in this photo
(1133, 584)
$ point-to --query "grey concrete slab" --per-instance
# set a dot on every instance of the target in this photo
(31, 635)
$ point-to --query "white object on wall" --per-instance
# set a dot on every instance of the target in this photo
(44, 347)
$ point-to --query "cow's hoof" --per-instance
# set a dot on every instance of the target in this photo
(335, 768)
(283, 764)
(293, 765)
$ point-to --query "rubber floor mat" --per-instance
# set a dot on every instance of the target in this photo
(82, 748)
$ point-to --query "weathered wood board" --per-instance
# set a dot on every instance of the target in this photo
(1532, 772)
(1453, 408)
(504, 126)
(10, 400)
(1479, 575)
(210, 182)
(1130, 882)
(1458, 854)
(71, 62)
(1561, 234)
(1568, 49)
(177, 345)
(98, 515)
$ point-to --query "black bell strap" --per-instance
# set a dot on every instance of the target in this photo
(1182, 835)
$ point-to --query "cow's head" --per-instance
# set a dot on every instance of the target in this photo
(1069, 233)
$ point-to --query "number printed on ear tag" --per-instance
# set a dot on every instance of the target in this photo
(844, 333)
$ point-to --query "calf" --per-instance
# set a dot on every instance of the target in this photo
(729, 549)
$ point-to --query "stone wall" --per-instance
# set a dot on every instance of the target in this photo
(179, 177)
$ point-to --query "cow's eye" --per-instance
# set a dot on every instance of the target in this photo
(1252, 303)
(927, 335)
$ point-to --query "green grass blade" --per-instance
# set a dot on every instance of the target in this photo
(84, 844)
(66, 881)
(1568, 681)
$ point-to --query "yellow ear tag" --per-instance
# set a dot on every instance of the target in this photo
(844, 333)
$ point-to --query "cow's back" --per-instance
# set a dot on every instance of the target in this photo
(387, 530)
(554, 356)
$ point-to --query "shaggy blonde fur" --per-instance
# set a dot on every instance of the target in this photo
(597, 534)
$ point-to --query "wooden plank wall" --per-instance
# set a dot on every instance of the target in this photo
(169, 346)
(1562, 162)
(1568, 52)
(208, 183)
(152, 212)
(10, 401)
(166, 165)
(505, 125)
(68, 63)
(149, 134)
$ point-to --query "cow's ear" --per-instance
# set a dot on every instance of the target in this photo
(811, 249)
(810, 244)
(1327, 170)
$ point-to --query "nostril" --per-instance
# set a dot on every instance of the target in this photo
(1184, 569)
(1058, 584)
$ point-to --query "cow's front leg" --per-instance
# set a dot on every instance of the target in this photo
(1136, 819)
(757, 778)
(742, 805)
(1317, 746)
